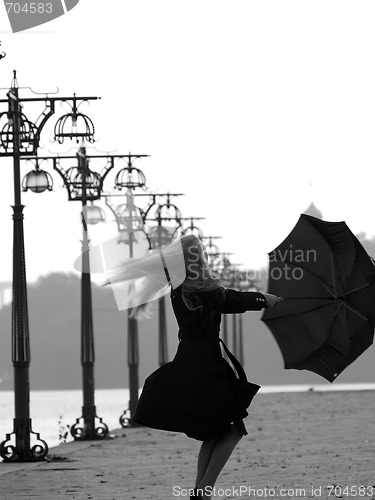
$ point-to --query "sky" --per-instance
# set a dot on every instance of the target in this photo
(252, 109)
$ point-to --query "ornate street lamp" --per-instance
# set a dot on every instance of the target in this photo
(19, 137)
(74, 125)
(158, 237)
(84, 184)
(192, 228)
(37, 180)
(129, 221)
(212, 250)
(94, 214)
(130, 177)
(223, 267)
(128, 215)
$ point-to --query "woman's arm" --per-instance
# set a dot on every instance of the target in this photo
(240, 302)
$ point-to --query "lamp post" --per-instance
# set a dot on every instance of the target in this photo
(244, 283)
(129, 220)
(240, 283)
(221, 265)
(19, 137)
(218, 263)
(160, 236)
(238, 279)
(84, 185)
(236, 334)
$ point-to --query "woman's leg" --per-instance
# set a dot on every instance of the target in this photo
(204, 458)
(220, 451)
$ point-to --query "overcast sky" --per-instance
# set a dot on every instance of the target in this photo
(250, 108)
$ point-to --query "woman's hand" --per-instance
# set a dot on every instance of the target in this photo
(272, 300)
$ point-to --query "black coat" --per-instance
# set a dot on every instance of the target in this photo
(196, 393)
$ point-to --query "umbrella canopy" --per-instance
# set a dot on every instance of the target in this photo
(328, 282)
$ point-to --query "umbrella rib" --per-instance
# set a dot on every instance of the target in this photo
(330, 297)
(353, 309)
(348, 271)
(326, 285)
(350, 292)
(333, 277)
(299, 313)
(334, 299)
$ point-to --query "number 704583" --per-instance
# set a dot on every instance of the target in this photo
(29, 7)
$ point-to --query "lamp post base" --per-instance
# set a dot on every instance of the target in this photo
(126, 421)
(92, 427)
(19, 449)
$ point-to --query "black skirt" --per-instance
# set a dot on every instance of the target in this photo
(197, 393)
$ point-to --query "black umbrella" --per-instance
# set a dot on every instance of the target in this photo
(328, 282)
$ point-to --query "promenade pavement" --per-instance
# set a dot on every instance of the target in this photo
(300, 445)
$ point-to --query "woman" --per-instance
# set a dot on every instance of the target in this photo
(198, 392)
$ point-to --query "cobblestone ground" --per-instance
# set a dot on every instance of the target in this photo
(300, 445)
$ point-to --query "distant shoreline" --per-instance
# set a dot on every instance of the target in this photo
(365, 386)
(265, 389)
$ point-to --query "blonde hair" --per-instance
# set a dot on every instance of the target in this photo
(139, 281)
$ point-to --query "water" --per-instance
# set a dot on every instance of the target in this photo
(52, 411)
